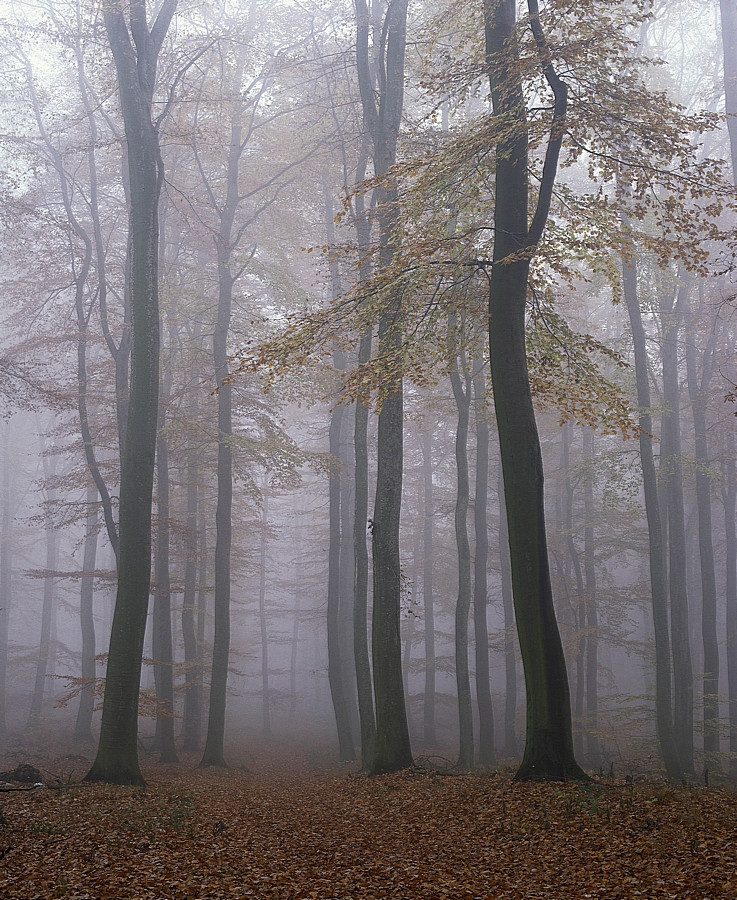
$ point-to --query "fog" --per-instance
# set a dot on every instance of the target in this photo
(267, 286)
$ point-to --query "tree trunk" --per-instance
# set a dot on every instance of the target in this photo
(510, 654)
(192, 722)
(462, 397)
(548, 751)
(136, 54)
(579, 606)
(480, 562)
(592, 617)
(337, 599)
(729, 500)
(162, 648)
(663, 696)
(263, 630)
(698, 390)
(392, 746)
(83, 726)
(213, 754)
(47, 611)
(672, 303)
(428, 512)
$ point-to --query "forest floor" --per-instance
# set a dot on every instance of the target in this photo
(296, 825)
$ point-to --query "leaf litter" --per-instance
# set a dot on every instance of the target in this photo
(294, 828)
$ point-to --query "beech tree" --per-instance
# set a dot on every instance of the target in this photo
(382, 117)
(136, 47)
(548, 750)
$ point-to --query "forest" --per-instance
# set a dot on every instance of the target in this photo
(368, 446)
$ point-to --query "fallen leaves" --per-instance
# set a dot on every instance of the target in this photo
(285, 830)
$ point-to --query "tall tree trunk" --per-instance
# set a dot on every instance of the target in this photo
(213, 754)
(335, 666)
(136, 54)
(392, 746)
(672, 302)
(47, 611)
(161, 643)
(698, 390)
(428, 608)
(510, 654)
(656, 543)
(579, 607)
(83, 725)
(549, 742)
(462, 397)
(729, 501)
(347, 570)
(262, 621)
(480, 562)
(192, 720)
(592, 616)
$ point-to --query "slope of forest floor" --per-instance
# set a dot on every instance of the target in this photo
(298, 826)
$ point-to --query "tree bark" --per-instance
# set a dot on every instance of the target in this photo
(593, 750)
(162, 648)
(663, 695)
(47, 611)
(510, 655)
(263, 629)
(83, 725)
(192, 720)
(462, 397)
(698, 390)
(428, 607)
(392, 746)
(480, 562)
(136, 54)
(672, 302)
(549, 744)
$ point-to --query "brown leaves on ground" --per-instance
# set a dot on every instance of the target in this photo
(290, 829)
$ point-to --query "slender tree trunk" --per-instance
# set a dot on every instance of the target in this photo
(510, 654)
(480, 563)
(549, 742)
(347, 570)
(213, 754)
(671, 472)
(698, 390)
(335, 665)
(162, 648)
(729, 500)
(428, 607)
(592, 616)
(192, 722)
(47, 612)
(392, 746)
(663, 695)
(579, 606)
(462, 396)
(136, 54)
(262, 621)
(83, 726)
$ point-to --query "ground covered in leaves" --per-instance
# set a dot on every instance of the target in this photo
(296, 827)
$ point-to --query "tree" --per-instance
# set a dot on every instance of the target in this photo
(383, 119)
(480, 562)
(136, 48)
(548, 750)
(461, 384)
